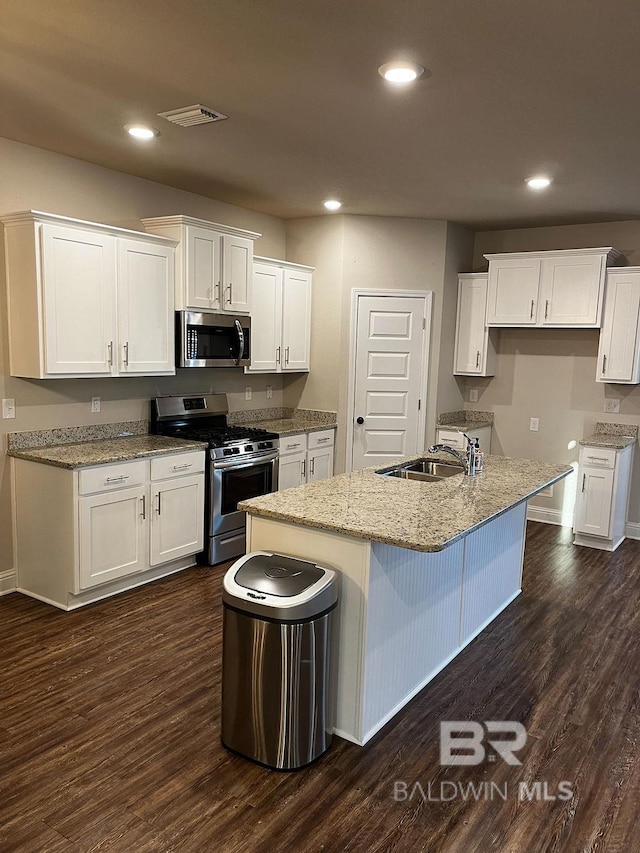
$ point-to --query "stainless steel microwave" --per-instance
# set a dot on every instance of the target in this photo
(212, 340)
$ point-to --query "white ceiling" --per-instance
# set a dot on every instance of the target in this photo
(517, 87)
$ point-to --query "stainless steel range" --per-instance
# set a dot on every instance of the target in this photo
(242, 463)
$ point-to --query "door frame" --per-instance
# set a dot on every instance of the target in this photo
(356, 293)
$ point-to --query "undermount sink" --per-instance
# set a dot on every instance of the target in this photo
(426, 470)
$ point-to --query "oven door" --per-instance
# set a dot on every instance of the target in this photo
(234, 481)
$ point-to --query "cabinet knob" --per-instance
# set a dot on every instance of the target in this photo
(359, 420)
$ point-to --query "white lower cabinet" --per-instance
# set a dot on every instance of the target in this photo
(455, 439)
(305, 458)
(88, 533)
(604, 477)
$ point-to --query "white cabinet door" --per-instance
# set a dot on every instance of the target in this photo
(292, 471)
(319, 464)
(113, 535)
(145, 308)
(237, 265)
(571, 290)
(266, 318)
(177, 518)
(203, 268)
(593, 506)
(513, 292)
(618, 351)
(79, 295)
(296, 320)
(474, 352)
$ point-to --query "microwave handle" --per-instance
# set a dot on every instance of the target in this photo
(240, 340)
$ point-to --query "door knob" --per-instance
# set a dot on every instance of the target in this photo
(359, 420)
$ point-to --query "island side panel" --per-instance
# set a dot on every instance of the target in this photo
(351, 557)
(412, 627)
(493, 560)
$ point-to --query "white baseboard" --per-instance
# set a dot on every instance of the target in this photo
(632, 530)
(547, 516)
(7, 582)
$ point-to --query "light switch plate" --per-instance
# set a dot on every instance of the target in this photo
(8, 408)
(612, 406)
(534, 423)
(269, 392)
(473, 395)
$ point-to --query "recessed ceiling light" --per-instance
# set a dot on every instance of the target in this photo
(333, 204)
(539, 182)
(401, 72)
(141, 131)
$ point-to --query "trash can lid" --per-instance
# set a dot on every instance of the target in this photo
(276, 574)
(279, 587)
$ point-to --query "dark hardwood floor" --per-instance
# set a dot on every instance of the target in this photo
(109, 729)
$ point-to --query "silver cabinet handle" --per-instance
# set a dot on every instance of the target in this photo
(218, 290)
(304, 467)
(182, 467)
(478, 358)
(584, 476)
(604, 364)
(546, 309)
(278, 355)
(228, 288)
(159, 506)
(313, 465)
(597, 458)
(289, 446)
(144, 506)
(531, 314)
(286, 355)
(126, 354)
(324, 439)
(117, 479)
(110, 351)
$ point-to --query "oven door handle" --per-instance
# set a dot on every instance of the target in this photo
(247, 462)
(240, 341)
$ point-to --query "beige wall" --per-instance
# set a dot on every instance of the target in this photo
(31, 178)
(550, 373)
(361, 252)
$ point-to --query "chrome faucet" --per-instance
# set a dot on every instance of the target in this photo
(468, 460)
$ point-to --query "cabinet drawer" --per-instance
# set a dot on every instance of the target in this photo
(598, 457)
(103, 478)
(293, 443)
(321, 438)
(177, 465)
(452, 438)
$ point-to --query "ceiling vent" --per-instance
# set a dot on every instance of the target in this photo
(197, 114)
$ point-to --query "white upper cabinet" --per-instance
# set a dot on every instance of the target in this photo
(214, 263)
(619, 349)
(86, 299)
(474, 350)
(559, 289)
(281, 317)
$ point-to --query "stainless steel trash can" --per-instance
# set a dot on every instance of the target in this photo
(276, 702)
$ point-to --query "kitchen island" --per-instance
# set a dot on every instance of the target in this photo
(425, 566)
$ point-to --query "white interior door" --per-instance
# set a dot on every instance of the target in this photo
(389, 382)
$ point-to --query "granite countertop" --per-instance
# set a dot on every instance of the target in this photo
(464, 420)
(105, 450)
(296, 423)
(611, 435)
(407, 513)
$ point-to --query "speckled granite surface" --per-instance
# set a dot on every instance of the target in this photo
(105, 451)
(73, 435)
(615, 436)
(465, 419)
(406, 513)
(294, 420)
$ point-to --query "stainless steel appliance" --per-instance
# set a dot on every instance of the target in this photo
(242, 463)
(277, 705)
(212, 340)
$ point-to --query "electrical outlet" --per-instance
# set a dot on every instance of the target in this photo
(473, 395)
(248, 392)
(534, 423)
(612, 406)
(95, 404)
(269, 392)
(8, 408)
